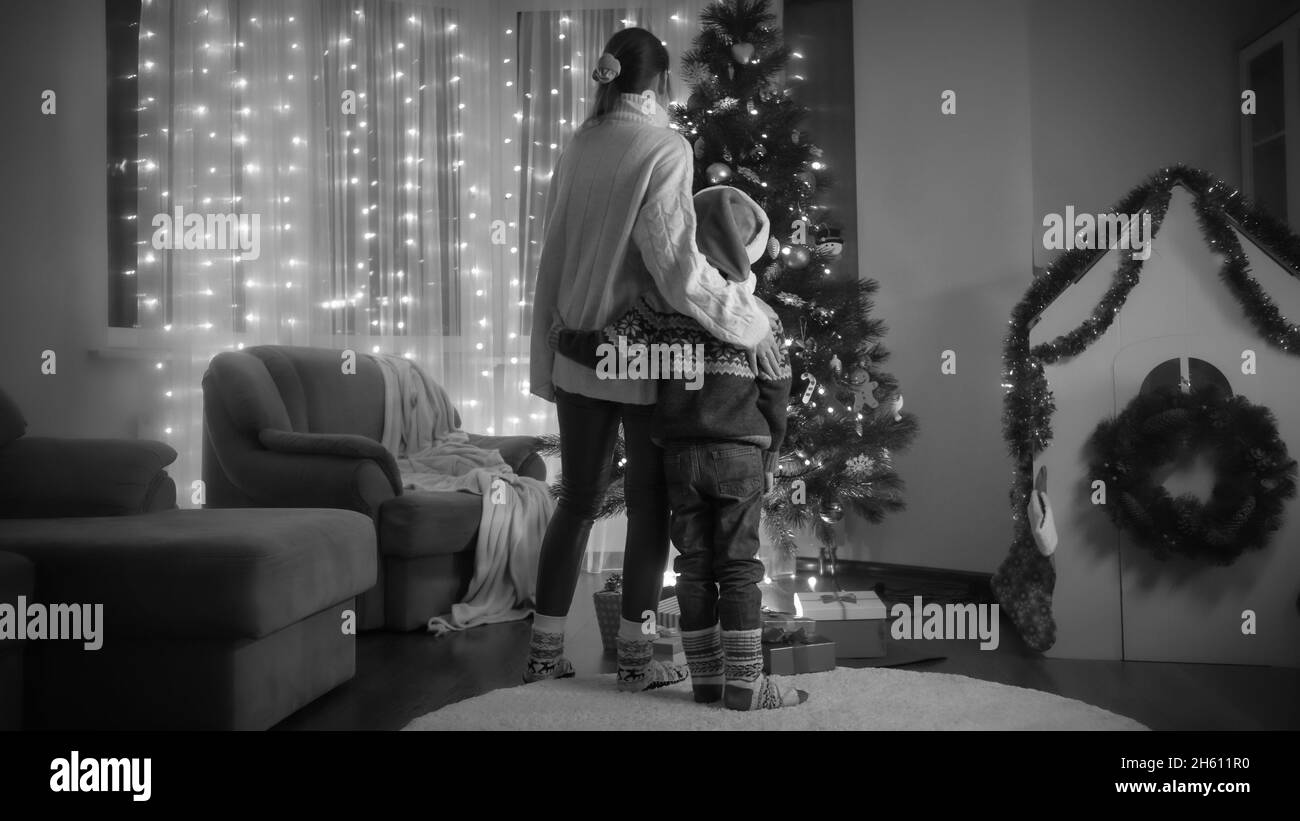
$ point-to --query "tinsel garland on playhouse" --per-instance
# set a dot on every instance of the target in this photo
(1025, 581)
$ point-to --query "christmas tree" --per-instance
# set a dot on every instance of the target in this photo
(846, 418)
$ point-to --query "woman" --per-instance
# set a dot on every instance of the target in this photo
(620, 222)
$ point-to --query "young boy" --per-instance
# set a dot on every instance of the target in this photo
(721, 428)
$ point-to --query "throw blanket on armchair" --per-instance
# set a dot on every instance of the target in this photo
(421, 431)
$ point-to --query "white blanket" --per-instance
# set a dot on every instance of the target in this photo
(421, 431)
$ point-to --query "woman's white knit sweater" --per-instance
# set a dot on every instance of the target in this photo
(619, 223)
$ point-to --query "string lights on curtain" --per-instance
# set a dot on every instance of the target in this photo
(367, 175)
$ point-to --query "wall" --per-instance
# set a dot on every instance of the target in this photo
(53, 224)
(1112, 103)
(944, 204)
(1053, 108)
(822, 31)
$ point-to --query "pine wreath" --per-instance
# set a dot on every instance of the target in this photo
(1255, 474)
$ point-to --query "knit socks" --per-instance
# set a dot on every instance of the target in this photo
(704, 657)
(545, 653)
(747, 688)
(638, 669)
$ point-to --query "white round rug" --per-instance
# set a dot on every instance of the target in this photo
(841, 699)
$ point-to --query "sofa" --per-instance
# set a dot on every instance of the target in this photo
(223, 619)
(291, 427)
(17, 583)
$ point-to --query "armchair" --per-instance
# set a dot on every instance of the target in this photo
(285, 427)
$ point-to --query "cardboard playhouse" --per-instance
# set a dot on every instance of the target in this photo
(1100, 594)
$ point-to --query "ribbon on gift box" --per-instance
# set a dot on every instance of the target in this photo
(827, 598)
(844, 599)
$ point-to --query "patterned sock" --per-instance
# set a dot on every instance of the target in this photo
(638, 669)
(704, 657)
(747, 687)
(546, 651)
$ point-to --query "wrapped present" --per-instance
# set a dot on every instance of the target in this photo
(787, 623)
(609, 609)
(791, 653)
(857, 621)
(670, 613)
(668, 647)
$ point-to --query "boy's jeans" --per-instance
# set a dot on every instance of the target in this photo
(716, 491)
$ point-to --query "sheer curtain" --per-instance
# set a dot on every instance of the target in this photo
(388, 161)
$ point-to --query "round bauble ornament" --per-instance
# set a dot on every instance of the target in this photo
(831, 512)
(742, 53)
(717, 173)
(797, 257)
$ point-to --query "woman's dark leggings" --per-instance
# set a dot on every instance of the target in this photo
(588, 433)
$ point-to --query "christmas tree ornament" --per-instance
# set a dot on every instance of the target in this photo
(806, 178)
(700, 148)
(758, 152)
(717, 173)
(836, 365)
(830, 242)
(750, 175)
(797, 257)
(859, 465)
(742, 53)
(898, 408)
(812, 386)
(831, 511)
(864, 392)
(795, 136)
(773, 247)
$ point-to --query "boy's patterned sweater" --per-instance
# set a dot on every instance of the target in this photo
(727, 402)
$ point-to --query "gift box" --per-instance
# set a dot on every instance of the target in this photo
(609, 609)
(857, 621)
(668, 647)
(609, 612)
(787, 623)
(670, 613)
(792, 653)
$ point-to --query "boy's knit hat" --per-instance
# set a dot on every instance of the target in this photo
(730, 230)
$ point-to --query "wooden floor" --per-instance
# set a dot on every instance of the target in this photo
(401, 676)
